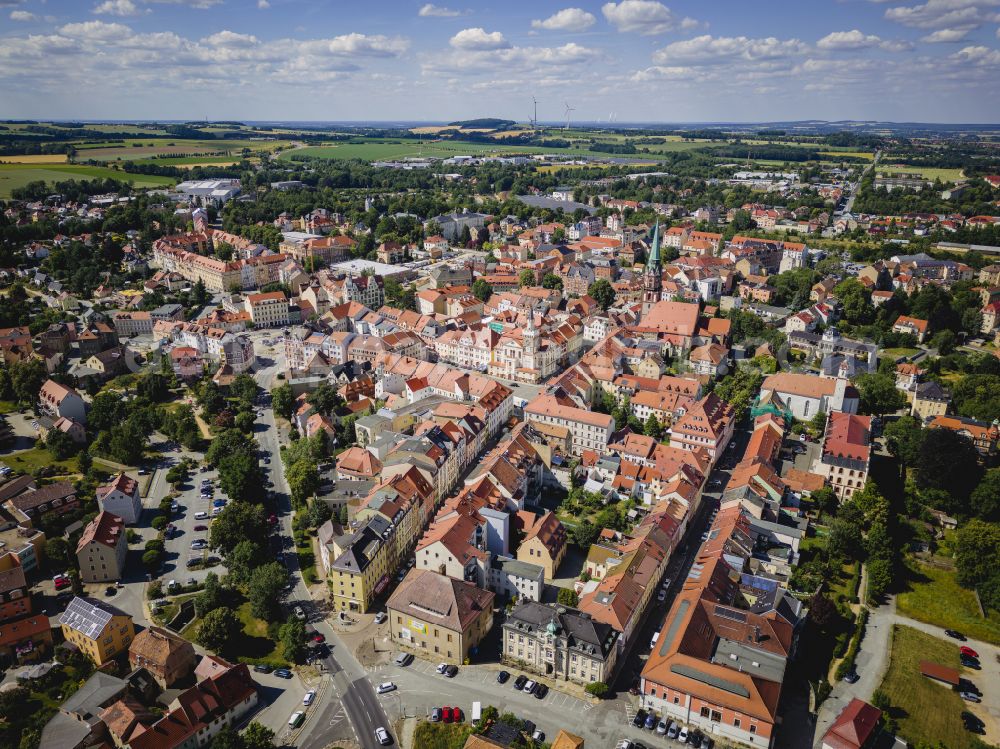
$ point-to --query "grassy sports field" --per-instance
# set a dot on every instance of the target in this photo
(927, 172)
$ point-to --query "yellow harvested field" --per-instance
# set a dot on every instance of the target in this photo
(508, 133)
(35, 158)
(432, 129)
(205, 163)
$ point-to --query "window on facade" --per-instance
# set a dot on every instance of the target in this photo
(704, 712)
(736, 722)
(677, 700)
(716, 716)
(753, 729)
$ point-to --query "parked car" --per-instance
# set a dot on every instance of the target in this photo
(624, 744)
(538, 736)
(851, 677)
(262, 668)
(456, 715)
(520, 681)
(673, 730)
(404, 659)
(201, 515)
(283, 673)
(446, 715)
(382, 736)
(650, 722)
(385, 686)
(967, 651)
(451, 672)
(502, 677)
(970, 662)
(955, 634)
(529, 686)
(969, 697)
(540, 691)
(441, 667)
(309, 697)
(529, 727)
(380, 617)
(300, 614)
(661, 596)
(435, 715)
(683, 735)
(639, 719)
(318, 638)
(661, 727)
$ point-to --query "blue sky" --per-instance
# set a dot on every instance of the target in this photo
(633, 60)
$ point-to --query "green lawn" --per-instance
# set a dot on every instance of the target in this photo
(255, 645)
(929, 713)
(7, 407)
(897, 352)
(934, 596)
(27, 461)
(13, 176)
(441, 735)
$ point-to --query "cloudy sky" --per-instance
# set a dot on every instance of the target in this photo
(633, 60)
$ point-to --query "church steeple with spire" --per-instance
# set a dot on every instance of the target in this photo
(652, 280)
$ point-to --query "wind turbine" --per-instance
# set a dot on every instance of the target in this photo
(534, 121)
(568, 110)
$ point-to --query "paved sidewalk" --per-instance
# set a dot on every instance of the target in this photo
(872, 661)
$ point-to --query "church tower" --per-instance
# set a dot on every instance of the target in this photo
(652, 280)
(530, 343)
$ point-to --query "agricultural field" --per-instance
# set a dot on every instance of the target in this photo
(13, 176)
(140, 150)
(927, 172)
(35, 158)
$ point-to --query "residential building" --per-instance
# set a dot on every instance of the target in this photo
(982, 435)
(167, 657)
(511, 578)
(102, 549)
(363, 570)
(121, 497)
(99, 630)
(589, 430)
(59, 497)
(708, 424)
(929, 400)
(268, 310)
(58, 400)
(912, 326)
(846, 453)
(128, 324)
(439, 617)
(559, 643)
(543, 541)
(15, 601)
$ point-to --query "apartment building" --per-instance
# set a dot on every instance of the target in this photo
(268, 310)
(589, 430)
(129, 324)
(846, 453)
(543, 541)
(102, 549)
(58, 400)
(98, 629)
(167, 657)
(708, 425)
(120, 497)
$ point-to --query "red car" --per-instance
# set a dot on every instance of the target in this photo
(318, 638)
(456, 714)
(446, 714)
(272, 520)
(966, 650)
(62, 582)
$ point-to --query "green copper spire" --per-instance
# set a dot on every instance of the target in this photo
(654, 254)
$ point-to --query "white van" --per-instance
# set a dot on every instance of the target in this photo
(656, 636)
(477, 711)
(296, 720)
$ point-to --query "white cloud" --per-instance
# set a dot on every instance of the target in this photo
(646, 17)
(663, 73)
(978, 55)
(118, 8)
(263, 4)
(22, 15)
(478, 39)
(853, 39)
(940, 36)
(935, 14)
(437, 11)
(567, 19)
(516, 60)
(364, 45)
(708, 50)
(96, 31)
(198, 4)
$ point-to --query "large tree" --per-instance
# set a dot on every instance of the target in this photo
(282, 401)
(293, 639)
(238, 521)
(903, 438)
(303, 480)
(985, 500)
(602, 292)
(977, 550)
(264, 590)
(218, 628)
(481, 290)
(948, 462)
(879, 394)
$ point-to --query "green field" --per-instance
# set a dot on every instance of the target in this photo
(927, 172)
(18, 175)
(934, 596)
(929, 713)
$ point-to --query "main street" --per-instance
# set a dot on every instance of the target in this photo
(349, 689)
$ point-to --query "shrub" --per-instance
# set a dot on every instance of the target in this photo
(597, 689)
(160, 522)
(823, 690)
(155, 590)
(151, 559)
